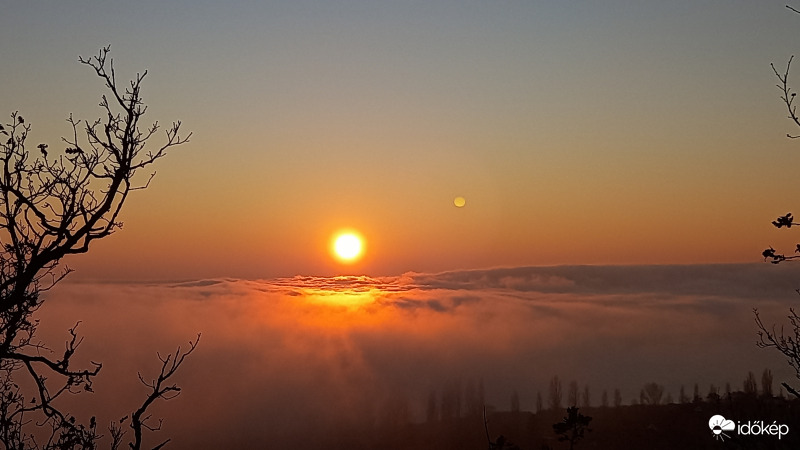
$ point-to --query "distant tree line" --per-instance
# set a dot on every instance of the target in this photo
(458, 400)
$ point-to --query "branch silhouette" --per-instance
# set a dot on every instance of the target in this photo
(55, 204)
(787, 343)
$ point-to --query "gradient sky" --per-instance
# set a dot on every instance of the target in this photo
(579, 132)
(608, 152)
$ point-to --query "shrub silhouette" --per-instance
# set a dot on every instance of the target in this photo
(572, 428)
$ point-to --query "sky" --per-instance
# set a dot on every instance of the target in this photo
(620, 163)
(579, 133)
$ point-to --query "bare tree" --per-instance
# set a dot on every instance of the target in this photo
(651, 394)
(617, 398)
(54, 204)
(786, 343)
(572, 394)
(750, 386)
(766, 383)
(586, 398)
(713, 393)
(555, 394)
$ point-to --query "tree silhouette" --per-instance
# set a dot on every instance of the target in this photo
(617, 397)
(750, 387)
(766, 383)
(572, 394)
(572, 428)
(786, 343)
(54, 204)
(586, 398)
(555, 393)
(651, 394)
(713, 394)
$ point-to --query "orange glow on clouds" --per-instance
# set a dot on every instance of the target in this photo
(335, 348)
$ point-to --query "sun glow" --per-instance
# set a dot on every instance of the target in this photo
(348, 246)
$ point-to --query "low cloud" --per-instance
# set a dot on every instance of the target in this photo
(280, 357)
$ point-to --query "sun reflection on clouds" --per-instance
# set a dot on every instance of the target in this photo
(341, 301)
(350, 291)
(348, 298)
(332, 347)
(346, 283)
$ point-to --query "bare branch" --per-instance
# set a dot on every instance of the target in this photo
(56, 203)
(159, 389)
(786, 343)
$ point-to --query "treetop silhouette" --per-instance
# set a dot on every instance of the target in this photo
(53, 204)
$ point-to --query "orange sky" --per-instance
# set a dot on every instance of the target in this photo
(584, 136)
(603, 134)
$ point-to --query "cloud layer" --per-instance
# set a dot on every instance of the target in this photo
(281, 357)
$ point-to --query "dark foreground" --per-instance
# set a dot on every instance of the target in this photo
(654, 427)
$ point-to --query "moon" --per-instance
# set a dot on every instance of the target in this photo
(348, 247)
(459, 202)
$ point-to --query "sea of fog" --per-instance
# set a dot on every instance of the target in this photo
(280, 357)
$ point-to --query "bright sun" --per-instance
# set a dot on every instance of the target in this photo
(348, 247)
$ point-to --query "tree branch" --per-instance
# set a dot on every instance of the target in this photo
(159, 390)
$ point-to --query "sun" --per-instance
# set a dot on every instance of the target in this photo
(348, 246)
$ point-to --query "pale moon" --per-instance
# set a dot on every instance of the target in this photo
(459, 202)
